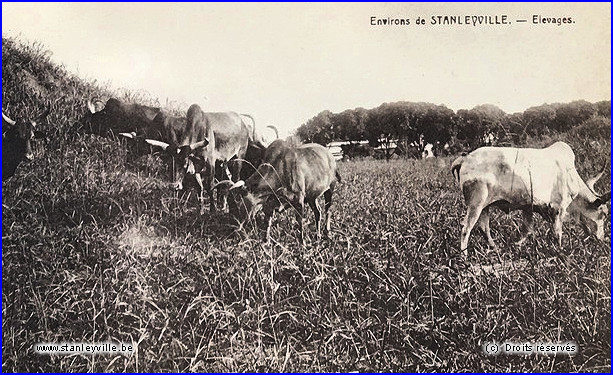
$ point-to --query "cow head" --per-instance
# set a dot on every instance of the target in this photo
(95, 106)
(97, 116)
(248, 198)
(241, 202)
(183, 159)
(592, 207)
(23, 133)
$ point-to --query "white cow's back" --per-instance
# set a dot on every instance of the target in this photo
(523, 175)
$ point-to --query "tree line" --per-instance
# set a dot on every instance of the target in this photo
(410, 126)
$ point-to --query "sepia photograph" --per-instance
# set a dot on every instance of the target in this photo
(306, 187)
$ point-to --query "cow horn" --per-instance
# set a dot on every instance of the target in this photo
(199, 144)
(224, 182)
(91, 107)
(161, 144)
(130, 135)
(275, 129)
(7, 119)
(591, 181)
(237, 185)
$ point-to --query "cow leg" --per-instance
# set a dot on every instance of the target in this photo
(475, 195)
(237, 165)
(526, 226)
(268, 218)
(200, 192)
(299, 209)
(472, 215)
(558, 225)
(484, 224)
(328, 204)
(227, 169)
(315, 207)
(223, 192)
(210, 181)
(222, 198)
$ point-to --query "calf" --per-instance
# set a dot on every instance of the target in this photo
(531, 180)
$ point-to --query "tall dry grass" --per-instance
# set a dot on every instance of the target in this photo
(96, 248)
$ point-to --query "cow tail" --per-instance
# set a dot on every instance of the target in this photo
(455, 167)
(338, 176)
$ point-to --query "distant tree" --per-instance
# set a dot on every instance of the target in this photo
(480, 126)
(382, 128)
(319, 129)
(347, 126)
(437, 127)
(539, 120)
(515, 130)
(572, 114)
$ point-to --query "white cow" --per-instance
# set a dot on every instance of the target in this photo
(528, 179)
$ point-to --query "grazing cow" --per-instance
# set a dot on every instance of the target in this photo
(531, 180)
(16, 142)
(233, 134)
(255, 154)
(289, 176)
(115, 116)
(194, 154)
(164, 127)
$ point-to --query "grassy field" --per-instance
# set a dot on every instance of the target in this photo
(95, 247)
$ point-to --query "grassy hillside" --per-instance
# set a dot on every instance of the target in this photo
(96, 248)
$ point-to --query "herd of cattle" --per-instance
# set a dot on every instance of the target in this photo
(228, 156)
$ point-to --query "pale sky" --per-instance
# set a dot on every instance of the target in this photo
(284, 63)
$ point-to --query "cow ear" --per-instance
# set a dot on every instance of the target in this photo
(591, 181)
(238, 185)
(604, 198)
(222, 183)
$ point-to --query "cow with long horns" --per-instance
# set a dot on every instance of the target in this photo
(16, 141)
(195, 154)
(115, 116)
(290, 176)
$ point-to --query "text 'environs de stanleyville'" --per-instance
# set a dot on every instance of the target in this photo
(469, 20)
